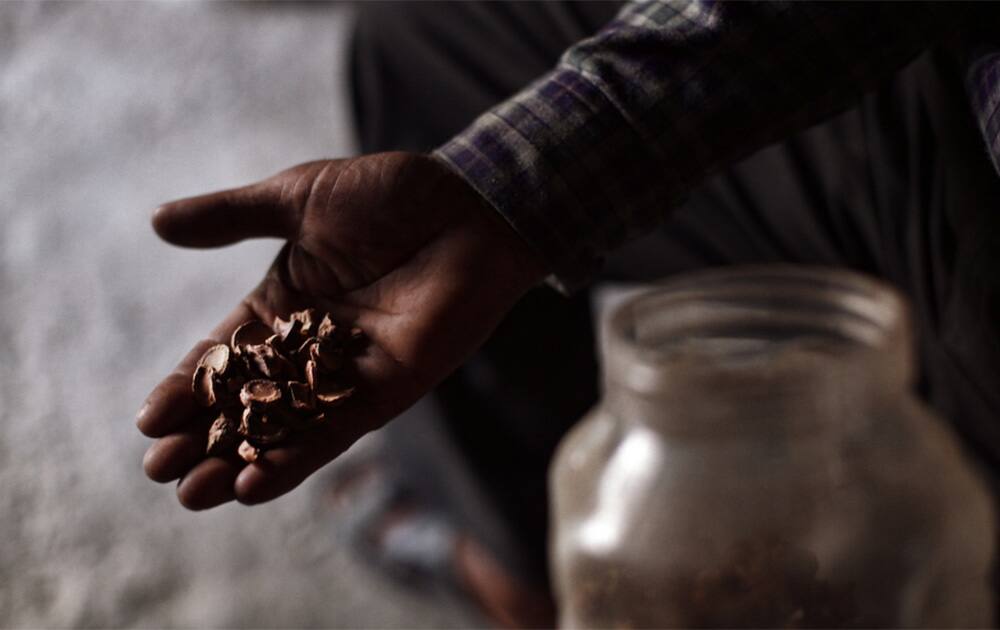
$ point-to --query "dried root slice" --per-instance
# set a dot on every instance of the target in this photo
(265, 361)
(248, 452)
(301, 396)
(251, 333)
(216, 358)
(289, 331)
(303, 350)
(312, 374)
(326, 328)
(275, 342)
(203, 386)
(261, 429)
(307, 318)
(260, 393)
(274, 380)
(329, 393)
(223, 435)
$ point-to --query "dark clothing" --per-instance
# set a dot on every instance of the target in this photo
(899, 187)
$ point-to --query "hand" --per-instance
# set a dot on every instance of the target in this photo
(394, 243)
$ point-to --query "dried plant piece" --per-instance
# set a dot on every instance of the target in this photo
(306, 317)
(271, 381)
(290, 331)
(327, 355)
(301, 396)
(216, 358)
(203, 385)
(303, 350)
(248, 452)
(330, 393)
(251, 333)
(275, 342)
(260, 429)
(267, 362)
(326, 328)
(312, 374)
(222, 435)
(260, 393)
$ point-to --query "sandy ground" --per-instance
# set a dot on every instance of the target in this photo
(105, 110)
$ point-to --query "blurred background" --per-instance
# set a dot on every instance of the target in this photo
(106, 110)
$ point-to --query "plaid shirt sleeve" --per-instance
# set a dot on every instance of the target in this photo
(600, 149)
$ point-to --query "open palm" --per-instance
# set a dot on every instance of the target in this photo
(394, 243)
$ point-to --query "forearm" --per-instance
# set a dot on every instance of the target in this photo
(599, 150)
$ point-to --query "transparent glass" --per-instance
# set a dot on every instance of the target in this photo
(758, 460)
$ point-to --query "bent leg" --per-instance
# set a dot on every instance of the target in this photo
(422, 72)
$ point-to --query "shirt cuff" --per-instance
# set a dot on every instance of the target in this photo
(567, 170)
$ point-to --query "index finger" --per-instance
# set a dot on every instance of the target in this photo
(171, 404)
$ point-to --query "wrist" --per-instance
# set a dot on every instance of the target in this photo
(515, 261)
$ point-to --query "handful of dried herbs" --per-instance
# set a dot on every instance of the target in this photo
(270, 382)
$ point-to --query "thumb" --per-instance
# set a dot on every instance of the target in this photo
(269, 208)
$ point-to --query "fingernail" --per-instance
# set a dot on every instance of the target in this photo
(139, 417)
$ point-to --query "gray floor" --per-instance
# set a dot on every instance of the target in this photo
(105, 110)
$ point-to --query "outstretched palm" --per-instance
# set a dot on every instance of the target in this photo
(394, 243)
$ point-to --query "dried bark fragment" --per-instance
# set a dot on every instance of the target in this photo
(301, 396)
(267, 362)
(260, 392)
(223, 435)
(307, 318)
(290, 331)
(303, 350)
(326, 328)
(248, 452)
(216, 358)
(251, 333)
(260, 429)
(275, 342)
(331, 393)
(203, 385)
(272, 381)
(312, 374)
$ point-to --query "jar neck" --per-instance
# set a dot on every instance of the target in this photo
(797, 349)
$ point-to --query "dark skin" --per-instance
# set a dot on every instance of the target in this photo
(395, 243)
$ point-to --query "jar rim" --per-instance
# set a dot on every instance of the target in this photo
(721, 316)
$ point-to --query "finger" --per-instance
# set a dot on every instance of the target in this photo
(209, 484)
(172, 456)
(264, 209)
(171, 405)
(385, 389)
(281, 469)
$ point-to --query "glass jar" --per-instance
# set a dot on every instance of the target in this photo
(758, 460)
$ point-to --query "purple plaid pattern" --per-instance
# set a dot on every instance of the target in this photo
(599, 150)
(983, 86)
